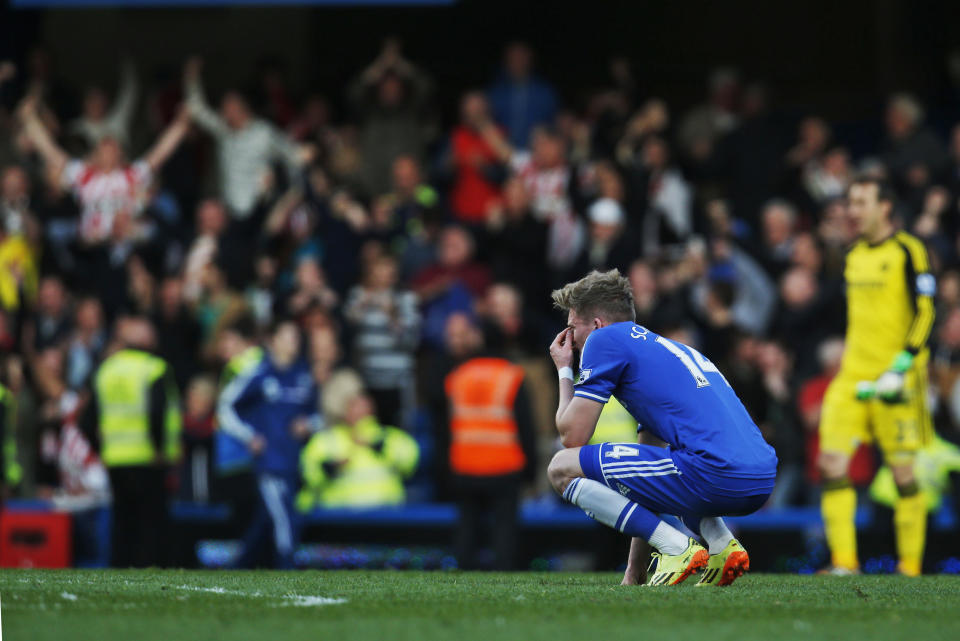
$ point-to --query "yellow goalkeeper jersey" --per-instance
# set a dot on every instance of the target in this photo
(889, 304)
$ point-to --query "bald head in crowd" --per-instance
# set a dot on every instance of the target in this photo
(136, 332)
(904, 114)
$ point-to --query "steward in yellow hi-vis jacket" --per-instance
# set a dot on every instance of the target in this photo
(935, 463)
(880, 393)
(615, 425)
(356, 463)
(133, 418)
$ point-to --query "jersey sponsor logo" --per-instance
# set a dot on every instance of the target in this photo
(926, 284)
(866, 284)
(624, 490)
(271, 388)
(584, 375)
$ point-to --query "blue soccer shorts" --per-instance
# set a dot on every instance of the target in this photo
(649, 476)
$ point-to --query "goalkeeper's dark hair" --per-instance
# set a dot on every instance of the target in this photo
(884, 187)
(606, 295)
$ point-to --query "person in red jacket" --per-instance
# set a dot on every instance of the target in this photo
(479, 152)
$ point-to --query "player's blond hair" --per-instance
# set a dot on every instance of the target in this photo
(606, 295)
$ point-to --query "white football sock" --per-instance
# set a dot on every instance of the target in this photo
(597, 500)
(714, 531)
(610, 508)
(668, 539)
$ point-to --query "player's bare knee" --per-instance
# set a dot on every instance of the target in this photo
(904, 479)
(560, 471)
(833, 466)
(555, 473)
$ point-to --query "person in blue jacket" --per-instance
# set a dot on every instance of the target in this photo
(519, 99)
(272, 408)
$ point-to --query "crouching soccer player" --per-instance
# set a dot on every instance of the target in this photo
(717, 462)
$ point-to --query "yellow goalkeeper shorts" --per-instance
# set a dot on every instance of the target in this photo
(899, 429)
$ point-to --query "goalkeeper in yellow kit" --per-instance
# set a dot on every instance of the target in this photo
(879, 394)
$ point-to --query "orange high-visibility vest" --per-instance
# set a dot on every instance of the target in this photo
(484, 439)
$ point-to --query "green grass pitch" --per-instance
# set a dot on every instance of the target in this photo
(454, 606)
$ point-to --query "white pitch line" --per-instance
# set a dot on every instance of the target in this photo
(301, 601)
(296, 600)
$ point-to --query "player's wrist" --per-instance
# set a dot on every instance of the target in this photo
(565, 372)
(902, 362)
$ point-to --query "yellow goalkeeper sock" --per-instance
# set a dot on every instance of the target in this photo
(838, 506)
(910, 522)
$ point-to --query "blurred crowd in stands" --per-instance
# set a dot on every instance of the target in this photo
(399, 245)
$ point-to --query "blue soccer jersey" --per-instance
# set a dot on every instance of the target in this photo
(679, 396)
(265, 400)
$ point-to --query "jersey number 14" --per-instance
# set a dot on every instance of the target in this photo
(695, 362)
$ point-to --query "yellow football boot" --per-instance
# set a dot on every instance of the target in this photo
(727, 566)
(672, 569)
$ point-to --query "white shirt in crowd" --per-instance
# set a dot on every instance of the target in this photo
(104, 194)
(84, 483)
(550, 201)
(244, 155)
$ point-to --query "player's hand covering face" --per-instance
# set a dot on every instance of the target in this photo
(561, 349)
(579, 329)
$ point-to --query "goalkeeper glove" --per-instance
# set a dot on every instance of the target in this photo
(889, 387)
(866, 390)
